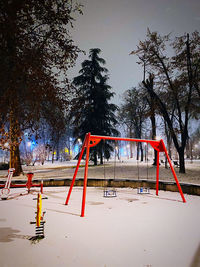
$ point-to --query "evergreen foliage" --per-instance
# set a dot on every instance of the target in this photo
(92, 110)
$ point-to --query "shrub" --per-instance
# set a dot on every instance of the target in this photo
(4, 166)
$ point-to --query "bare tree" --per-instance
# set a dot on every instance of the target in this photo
(133, 114)
(176, 78)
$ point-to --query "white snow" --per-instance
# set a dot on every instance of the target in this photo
(125, 169)
(131, 230)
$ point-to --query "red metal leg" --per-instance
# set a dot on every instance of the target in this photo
(174, 174)
(75, 173)
(85, 175)
(157, 174)
(41, 187)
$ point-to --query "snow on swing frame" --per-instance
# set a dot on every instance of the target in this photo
(93, 140)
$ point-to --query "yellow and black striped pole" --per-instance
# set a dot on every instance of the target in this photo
(39, 209)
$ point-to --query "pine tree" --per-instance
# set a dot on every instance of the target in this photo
(92, 110)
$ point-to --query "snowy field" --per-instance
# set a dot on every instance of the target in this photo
(131, 230)
(124, 169)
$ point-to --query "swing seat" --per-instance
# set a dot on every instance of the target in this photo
(143, 190)
(109, 193)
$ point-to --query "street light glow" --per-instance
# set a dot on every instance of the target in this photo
(6, 144)
(158, 137)
(29, 144)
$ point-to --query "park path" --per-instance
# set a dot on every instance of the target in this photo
(123, 170)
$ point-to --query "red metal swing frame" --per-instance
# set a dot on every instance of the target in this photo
(93, 140)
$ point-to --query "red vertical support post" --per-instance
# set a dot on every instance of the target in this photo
(75, 173)
(29, 182)
(41, 187)
(157, 174)
(174, 174)
(85, 174)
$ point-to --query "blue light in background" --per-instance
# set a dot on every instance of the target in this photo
(122, 151)
(33, 144)
(76, 149)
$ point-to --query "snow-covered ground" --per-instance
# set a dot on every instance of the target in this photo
(125, 169)
(131, 230)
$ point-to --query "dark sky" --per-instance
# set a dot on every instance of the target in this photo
(116, 26)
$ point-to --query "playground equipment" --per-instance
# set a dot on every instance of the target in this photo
(39, 223)
(143, 190)
(107, 192)
(6, 190)
(93, 140)
(146, 159)
(29, 183)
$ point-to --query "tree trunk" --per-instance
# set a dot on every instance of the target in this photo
(95, 156)
(52, 159)
(155, 158)
(15, 159)
(181, 160)
(102, 153)
(131, 150)
(166, 162)
(153, 127)
(169, 143)
(142, 154)
(188, 149)
(14, 145)
(131, 143)
(57, 153)
(137, 158)
(101, 159)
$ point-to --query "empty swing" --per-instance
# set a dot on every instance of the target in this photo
(107, 192)
(143, 190)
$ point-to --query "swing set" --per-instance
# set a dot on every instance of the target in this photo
(93, 140)
(109, 192)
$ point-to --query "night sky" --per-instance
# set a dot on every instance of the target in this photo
(116, 26)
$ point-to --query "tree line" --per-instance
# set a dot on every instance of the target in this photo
(36, 50)
(171, 83)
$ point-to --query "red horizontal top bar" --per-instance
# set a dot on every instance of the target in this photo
(123, 139)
